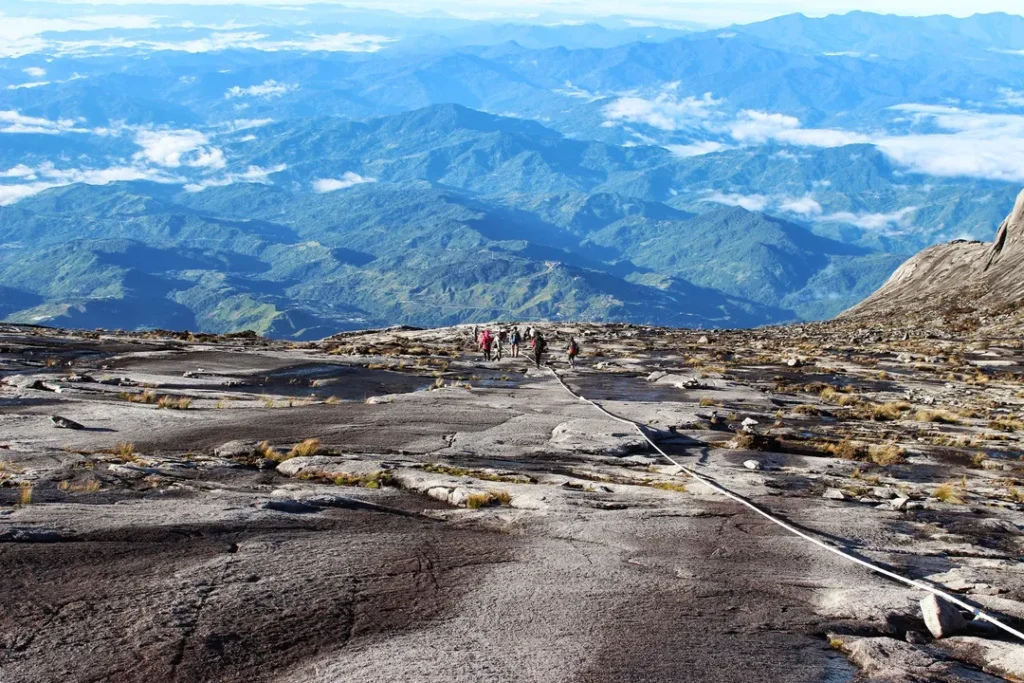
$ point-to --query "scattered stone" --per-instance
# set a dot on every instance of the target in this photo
(752, 464)
(794, 363)
(64, 423)
(290, 506)
(656, 375)
(917, 638)
(704, 340)
(899, 503)
(834, 494)
(235, 449)
(942, 618)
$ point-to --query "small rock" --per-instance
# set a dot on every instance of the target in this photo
(655, 376)
(752, 464)
(235, 449)
(289, 506)
(942, 618)
(704, 340)
(917, 638)
(899, 503)
(794, 363)
(64, 423)
(834, 494)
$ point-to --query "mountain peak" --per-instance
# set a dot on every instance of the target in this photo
(961, 273)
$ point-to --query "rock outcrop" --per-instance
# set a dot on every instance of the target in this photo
(955, 276)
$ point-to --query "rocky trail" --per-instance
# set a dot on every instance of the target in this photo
(386, 505)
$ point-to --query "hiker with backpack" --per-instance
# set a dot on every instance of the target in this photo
(514, 339)
(572, 352)
(539, 346)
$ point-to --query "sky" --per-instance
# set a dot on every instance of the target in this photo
(702, 11)
(709, 12)
(689, 10)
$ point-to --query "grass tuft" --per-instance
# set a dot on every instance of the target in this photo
(947, 494)
(304, 449)
(887, 454)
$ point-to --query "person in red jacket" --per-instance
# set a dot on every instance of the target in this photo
(486, 342)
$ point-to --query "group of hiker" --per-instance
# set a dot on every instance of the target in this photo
(494, 342)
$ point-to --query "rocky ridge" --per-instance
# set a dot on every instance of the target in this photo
(958, 277)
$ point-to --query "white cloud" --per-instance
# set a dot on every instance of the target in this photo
(873, 221)
(804, 206)
(15, 122)
(253, 174)
(47, 176)
(18, 46)
(33, 84)
(571, 90)
(754, 202)
(34, 71)
(759, 127)
(174, 148)
(268, 88)
(1011, 97)
(697, 149)
(346, 181)
(246, 124)
(972, 143)
(19, 171)
(665, 111)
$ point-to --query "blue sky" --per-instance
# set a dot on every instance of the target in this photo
(700, 10)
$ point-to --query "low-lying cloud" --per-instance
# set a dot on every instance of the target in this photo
(217, 41)
(15, 122)
(349, 179)
(174, 148)
(952, 141)
(47, 176)
(266, 89)
(253, 174)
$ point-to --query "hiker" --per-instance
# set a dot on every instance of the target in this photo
(539, 346)
(486, 342)
(476, 334)
(499, 343)
(572, 352)
(514, 339)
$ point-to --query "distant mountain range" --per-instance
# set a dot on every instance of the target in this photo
(188, 177)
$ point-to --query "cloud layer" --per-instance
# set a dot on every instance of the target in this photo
(349, 179)
(952, 141)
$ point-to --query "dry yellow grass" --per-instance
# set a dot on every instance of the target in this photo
(475, 501)
(140, 397)
(125, 450)
(268, 452)
(174, 402)
(886, 454)
(947, 494)
(1006, 424)
(304, 449)
(847, 449)
(25, 495)
(887, 412)
(938, 416)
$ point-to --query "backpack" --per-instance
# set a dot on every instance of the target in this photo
(574, 349)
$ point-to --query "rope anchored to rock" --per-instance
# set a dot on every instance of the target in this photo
(717, 488)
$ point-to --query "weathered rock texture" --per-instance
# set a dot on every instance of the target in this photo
(955, 276)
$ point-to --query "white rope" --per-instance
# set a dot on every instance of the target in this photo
(978, 614)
